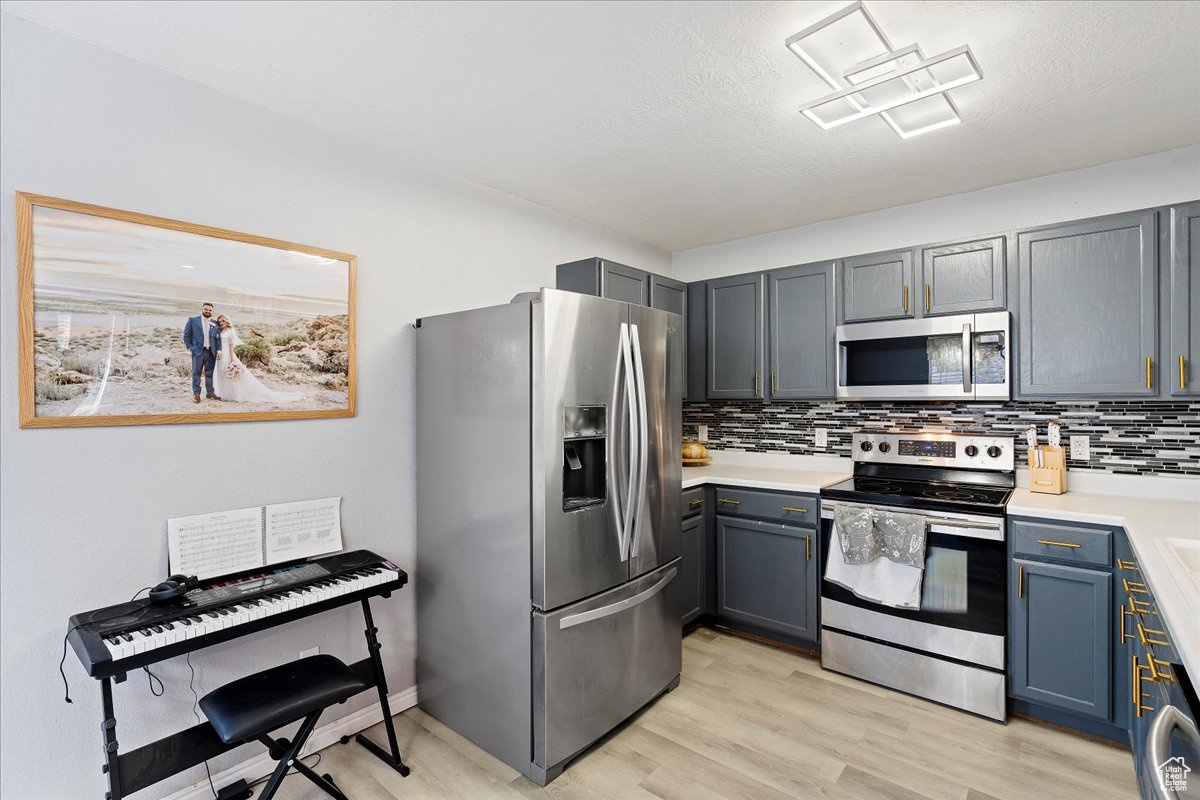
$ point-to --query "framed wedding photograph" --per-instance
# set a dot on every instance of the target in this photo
(129, 319)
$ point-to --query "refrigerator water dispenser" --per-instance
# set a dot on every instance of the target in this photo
(584, 475)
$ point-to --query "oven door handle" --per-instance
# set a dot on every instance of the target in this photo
(948, 526)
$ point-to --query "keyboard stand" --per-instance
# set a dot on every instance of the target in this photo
(135, 770)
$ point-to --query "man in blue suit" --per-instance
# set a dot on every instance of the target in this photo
(202, 337)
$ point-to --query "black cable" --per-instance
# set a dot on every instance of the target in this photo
(151, 677)
(196, 713)
(312, 766)
(77, 626)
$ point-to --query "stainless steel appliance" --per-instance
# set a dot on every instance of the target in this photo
(960, 357)
(951, 650)
(548, 528)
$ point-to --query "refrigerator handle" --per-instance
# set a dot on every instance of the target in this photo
(620, 605)
(635, 438)
(617, 430)
(643, 451)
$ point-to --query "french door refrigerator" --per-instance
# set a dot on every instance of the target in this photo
(547, 522)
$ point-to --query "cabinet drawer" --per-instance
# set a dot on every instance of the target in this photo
(692, 501)
(794, 509)
(1062, 541)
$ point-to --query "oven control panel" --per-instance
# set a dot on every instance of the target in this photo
(962, 451)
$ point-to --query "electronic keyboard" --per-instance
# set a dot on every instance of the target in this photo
(114, 640)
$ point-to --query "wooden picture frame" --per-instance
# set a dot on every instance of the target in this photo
(136, 269)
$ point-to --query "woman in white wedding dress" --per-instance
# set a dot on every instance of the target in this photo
(233, 380)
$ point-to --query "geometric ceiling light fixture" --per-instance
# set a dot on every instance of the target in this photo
(848, 51)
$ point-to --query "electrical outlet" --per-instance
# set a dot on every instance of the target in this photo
(702, 433)
(312, 651)
(822, 438)
(1081, 448)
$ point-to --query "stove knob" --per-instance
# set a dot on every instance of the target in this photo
(993, 451)
(884, 447)
(971, 451)
(865, 447)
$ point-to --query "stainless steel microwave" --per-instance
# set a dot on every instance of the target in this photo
(961, 357)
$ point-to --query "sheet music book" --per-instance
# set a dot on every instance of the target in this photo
(224, 542)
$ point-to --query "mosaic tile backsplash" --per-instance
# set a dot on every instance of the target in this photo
(1127, 437)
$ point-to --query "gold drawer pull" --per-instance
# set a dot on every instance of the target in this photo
(1145, 633)
(1020, 582)
(694, 503)
(1127, 566)
(1053, 543)
(1134, 587)
(1121, 624)
(808, 548)
(1140, 606)
(1138, 694)
(796, 510)
(1154, 664)
(727, 500)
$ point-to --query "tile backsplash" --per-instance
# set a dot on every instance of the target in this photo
(1130, 437)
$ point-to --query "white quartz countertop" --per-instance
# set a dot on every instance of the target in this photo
(766, 471)
(1151, 524)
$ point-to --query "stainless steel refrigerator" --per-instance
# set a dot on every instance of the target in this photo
(547, 482)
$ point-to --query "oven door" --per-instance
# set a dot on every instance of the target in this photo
(963, 595)
(962, 357)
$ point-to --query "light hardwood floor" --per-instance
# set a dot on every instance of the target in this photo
(753, 721)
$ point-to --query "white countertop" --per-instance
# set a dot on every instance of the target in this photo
(806, 474)
(1148, 522)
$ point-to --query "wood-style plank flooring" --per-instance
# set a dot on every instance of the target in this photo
(753, 721)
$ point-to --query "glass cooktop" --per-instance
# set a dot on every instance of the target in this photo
(932, 495)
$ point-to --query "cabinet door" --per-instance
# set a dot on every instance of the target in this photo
(735, 337)
(767, 576)
(800, 316)
(1062, 647)
(692, 570)
(877, 286)
(1179, 362)
(670, 295)
(961, 278)
(1088, 308)
(629, 285)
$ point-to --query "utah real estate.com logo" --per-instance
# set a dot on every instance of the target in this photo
(1172, 774)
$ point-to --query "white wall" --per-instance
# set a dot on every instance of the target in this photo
(1160, 179)
(82, 512)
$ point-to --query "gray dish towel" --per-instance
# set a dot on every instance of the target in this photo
(855, 529)
(903, 537)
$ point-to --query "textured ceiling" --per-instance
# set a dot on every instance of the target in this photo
(676, 123)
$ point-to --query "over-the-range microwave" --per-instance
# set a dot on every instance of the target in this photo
(960, 357)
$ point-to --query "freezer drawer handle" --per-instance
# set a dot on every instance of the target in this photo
(619, 606)
(1158, 745)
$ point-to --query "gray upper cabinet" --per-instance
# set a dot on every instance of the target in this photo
(735, 338)
(1180, 370)
(604, 278)
(1062, 622)
(670, 295)
(801, 322)
(963, 278)
(1088, 308)
(877, 286)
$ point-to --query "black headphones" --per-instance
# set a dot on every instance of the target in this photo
(172, 589)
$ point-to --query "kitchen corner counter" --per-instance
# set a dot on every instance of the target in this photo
(1149, 524)
(786, 479)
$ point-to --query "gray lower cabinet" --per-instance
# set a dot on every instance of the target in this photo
(877, 286)
(1061, 649)
(801, 325)
(670, 295)
(735, 337)
(963, 278)
(692, 571)
(1088, 309)
(1180, 371)
(767, 576)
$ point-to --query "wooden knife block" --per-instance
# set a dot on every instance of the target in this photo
(1051, 477)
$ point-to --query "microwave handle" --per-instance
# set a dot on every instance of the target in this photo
(968, 387)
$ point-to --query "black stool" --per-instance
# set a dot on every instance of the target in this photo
(250, 707)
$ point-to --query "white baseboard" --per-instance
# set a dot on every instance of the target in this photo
(261, 765)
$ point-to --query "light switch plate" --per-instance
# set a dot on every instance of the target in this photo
(702, 433)
(1081, 448)
(822, 438)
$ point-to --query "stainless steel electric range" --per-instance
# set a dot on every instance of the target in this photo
(952, 649)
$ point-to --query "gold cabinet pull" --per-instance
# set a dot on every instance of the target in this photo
(1138, 694)
(796, 510)
(757, 390)
(694, 503)
(1134, 587)
(1144, 634)
(1182, 374)
(906, 298)
(1140, 606)
(1127, 566)
(1149, 362)
(1053, 543)
(727, 500)
(1154, 664)
(1121, 631)
(808, 548)
(774, 384)
(927, 297)
(1020, 582)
